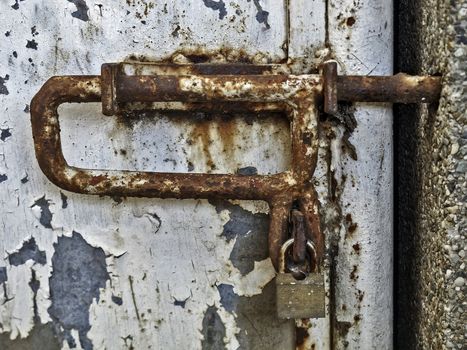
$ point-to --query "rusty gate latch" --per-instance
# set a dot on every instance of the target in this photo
(219, 87)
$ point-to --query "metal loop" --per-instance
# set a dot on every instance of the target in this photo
(283, 253)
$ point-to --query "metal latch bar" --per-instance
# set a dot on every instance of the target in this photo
(399, 88)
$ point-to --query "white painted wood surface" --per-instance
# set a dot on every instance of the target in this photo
(361, 38)
(167, 259)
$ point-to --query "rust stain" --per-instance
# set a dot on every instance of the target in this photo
(343, 328)
(200, 54)
(201, 134)
(356, 247)
(353, 275)
(95, 180)
(209, 128)
(360, 296)
(348, 147)
(351, 226)
(226, 127)
(350, 21)
(301, 335)
(333, 184)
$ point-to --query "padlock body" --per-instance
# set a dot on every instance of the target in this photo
(297, 299)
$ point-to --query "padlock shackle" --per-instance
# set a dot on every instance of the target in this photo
(287, 245)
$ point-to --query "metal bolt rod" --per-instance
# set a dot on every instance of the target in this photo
(250, 88)
(399, 88)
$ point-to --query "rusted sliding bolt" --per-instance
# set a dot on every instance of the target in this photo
(399, 88)
(221, 88)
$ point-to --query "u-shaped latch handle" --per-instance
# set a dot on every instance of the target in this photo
(294, 95)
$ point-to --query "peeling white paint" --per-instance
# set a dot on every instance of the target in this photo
(17, 318)
(253, 206)
(183, 256)
(252, 283)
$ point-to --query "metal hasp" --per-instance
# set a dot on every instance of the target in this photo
(205, 87)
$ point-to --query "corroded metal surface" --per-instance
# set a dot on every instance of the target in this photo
(296, 95)
(399, 88)
(112, 73)
(330, 87)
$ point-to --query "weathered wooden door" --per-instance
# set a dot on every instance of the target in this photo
(91, 272)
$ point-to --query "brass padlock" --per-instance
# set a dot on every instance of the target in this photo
(297, 298)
